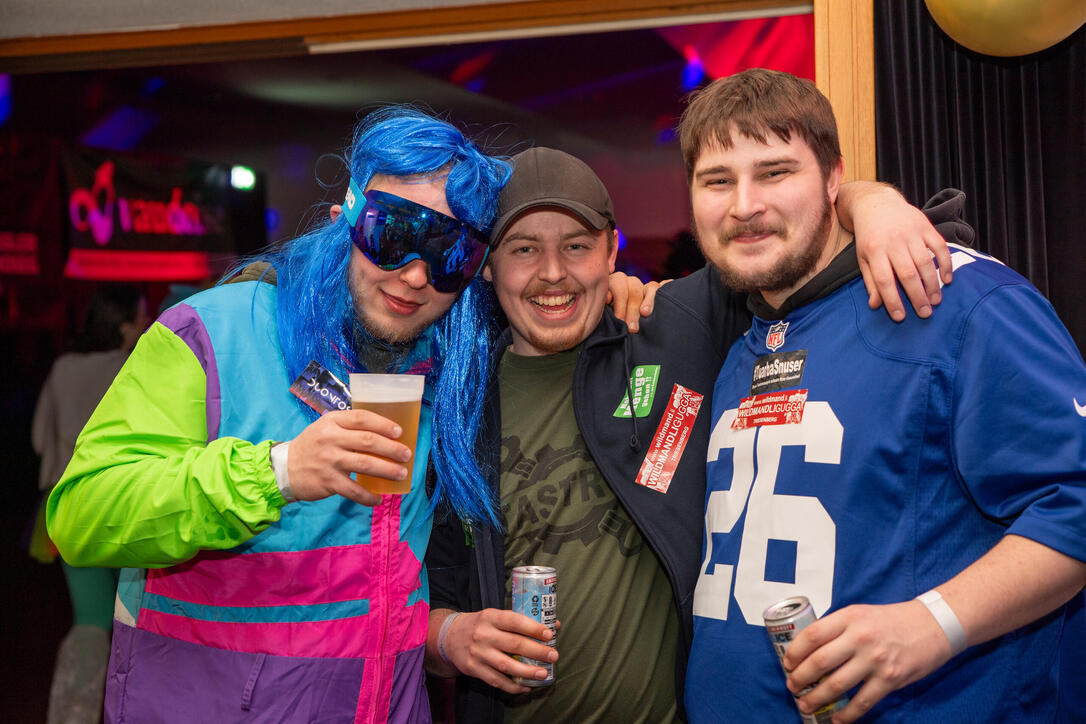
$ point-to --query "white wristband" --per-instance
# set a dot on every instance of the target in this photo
(944, 616)
(442, 634)
(278, 455)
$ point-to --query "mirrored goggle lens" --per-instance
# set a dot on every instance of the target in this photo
(392, 231)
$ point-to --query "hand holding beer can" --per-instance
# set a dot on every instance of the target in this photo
(784, 620)
(535, 594)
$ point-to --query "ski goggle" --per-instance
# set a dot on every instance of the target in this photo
(392, 231)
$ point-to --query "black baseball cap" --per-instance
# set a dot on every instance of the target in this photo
(549, 177)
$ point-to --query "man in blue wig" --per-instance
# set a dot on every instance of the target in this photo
(261, 583)
(596, 439)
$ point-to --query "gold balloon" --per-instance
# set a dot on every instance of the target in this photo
(1008, 27)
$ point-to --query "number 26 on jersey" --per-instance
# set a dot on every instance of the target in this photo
(766, 515)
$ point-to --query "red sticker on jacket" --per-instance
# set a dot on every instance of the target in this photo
(670, 439)
(770, 408)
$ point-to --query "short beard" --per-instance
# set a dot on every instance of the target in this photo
(789, 270)
(367, 331)
(554, 345)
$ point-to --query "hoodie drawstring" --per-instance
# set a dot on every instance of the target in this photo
(635, 441)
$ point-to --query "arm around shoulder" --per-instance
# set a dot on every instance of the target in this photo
(896, 243)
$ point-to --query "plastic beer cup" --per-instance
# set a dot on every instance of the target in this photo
(399, 398)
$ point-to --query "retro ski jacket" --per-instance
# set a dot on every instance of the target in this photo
(236, 606)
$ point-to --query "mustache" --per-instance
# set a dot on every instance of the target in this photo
(537, 290)
(753, 230)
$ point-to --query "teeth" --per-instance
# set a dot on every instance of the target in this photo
(553, 301)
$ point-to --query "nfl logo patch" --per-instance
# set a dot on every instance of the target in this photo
(774, 339)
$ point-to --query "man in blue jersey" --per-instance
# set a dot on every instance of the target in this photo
(922, 484)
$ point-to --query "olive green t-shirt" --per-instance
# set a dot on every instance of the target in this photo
(619, 627)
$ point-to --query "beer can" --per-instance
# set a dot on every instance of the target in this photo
(783, 621)
(535, 594)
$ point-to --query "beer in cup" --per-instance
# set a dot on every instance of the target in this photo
(399, 398)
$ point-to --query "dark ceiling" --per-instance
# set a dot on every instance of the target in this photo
(608, 88)
(612, 98)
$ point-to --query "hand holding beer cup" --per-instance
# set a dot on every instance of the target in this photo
(397, 398)
(338, 444)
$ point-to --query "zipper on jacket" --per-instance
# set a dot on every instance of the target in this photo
(385, 596)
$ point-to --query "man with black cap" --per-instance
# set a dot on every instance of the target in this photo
(588, 426)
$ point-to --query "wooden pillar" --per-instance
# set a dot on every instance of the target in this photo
(845, 73)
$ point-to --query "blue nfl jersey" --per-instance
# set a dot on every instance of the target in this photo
(855, 460)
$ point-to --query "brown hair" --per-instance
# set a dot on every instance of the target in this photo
(759, 102)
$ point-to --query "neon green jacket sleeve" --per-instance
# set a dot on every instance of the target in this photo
(144, 488)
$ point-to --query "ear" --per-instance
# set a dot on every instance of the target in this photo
(335, 211)
(612, 254)
(833, 180)
(487, 274)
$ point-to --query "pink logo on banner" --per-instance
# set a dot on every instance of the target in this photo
(94, 209)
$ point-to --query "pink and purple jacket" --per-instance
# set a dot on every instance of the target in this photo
(235, 606)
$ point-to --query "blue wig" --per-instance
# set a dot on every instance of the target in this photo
(316, 314)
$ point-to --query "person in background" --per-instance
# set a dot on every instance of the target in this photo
(116, 316)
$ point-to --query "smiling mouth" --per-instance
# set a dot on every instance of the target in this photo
(399, 305)
(553, 303)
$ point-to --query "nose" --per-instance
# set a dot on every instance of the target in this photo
(747, 200)
(552, 268)
(415, 274)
